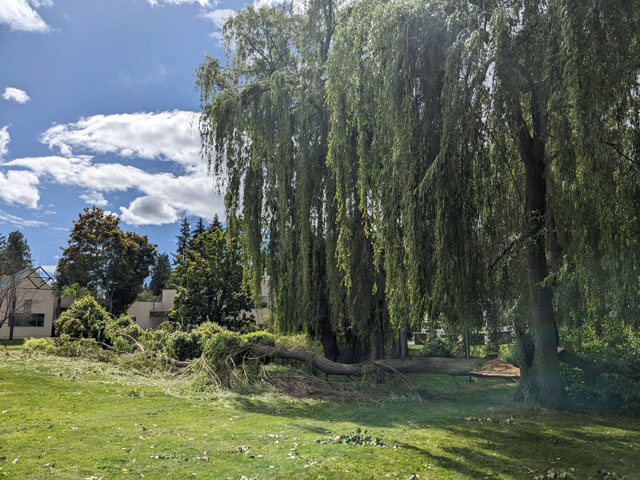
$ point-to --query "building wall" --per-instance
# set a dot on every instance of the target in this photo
(42, 302)
(141, 312)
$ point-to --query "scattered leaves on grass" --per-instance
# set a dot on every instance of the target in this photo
(358, 437)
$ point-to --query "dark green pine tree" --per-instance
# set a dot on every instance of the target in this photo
(215, 223)
(200, 228)
(183, 238)
(161, 274)
(15, 254)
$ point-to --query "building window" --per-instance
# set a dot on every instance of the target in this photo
(29, 320)
(26, 307)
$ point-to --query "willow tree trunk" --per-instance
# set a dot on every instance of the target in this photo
(540, 376)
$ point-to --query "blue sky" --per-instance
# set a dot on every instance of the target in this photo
(98, 107)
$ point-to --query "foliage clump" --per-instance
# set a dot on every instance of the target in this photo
(447, 346)
(84, 319)
(184, 346)
(358, 437)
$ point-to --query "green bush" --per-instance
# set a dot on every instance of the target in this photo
(260, 338)
(509, 353)
(299, 342)
(604, 341)
(184, 346)
(84, 319)
(209, 328)
(223, 345)
(442, 347)
(166, 327)
(40, 345)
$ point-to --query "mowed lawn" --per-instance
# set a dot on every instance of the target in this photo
(78, 419)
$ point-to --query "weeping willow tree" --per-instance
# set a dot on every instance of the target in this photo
(550, 87)
(465, 159)
(489, 150)
(385, 80)
(265, 129)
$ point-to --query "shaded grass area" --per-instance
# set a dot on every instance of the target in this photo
(71, 418)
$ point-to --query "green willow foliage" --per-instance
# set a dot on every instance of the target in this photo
(380, 154)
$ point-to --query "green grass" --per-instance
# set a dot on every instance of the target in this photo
(76, 419)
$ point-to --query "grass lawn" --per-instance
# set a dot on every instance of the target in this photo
(78, 419)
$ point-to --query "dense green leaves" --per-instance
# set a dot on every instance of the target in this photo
(84, 319)
(208, 278)
(469, 161)
(15, 254)
(110, 262)
(161, 275)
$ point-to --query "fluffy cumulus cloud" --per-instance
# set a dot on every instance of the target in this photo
(149, 210)
(21, 15)
(163, 196)
(19, 187)
(15, 94)
(171, 136)
(5, 138)
(94, 198)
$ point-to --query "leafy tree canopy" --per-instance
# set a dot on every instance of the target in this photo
(208, 278)
(105, 259)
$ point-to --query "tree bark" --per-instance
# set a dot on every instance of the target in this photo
(541, 382)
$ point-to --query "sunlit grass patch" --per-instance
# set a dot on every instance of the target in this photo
(75, 418)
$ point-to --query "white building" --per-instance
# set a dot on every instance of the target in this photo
(34, 304)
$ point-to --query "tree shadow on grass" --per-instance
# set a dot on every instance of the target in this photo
(536, 445)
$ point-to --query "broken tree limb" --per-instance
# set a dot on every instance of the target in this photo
(593, 369)
(132, 340)
(475, 367)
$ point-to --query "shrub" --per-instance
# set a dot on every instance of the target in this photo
(604, 341)
(166, 327)
(509, 353)
(84, 319)
(300, 342)
(40, 345)
(209, 328)
(223, 345)
(183, 346)
(260, 338)
(442, 347)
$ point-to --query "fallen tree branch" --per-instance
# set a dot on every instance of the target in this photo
(475, 367)
(132, 340)
(102, 344)
(591, 368)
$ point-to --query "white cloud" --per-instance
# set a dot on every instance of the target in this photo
(19, 187)
(219, 16)
(15, 94)
(169, 136)
(202, 3)
(145, 210)
(41, 3)
(161, 197)
(94, 198)
(5, 138)
(192, 193)
(19, 15)
(20, 222)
